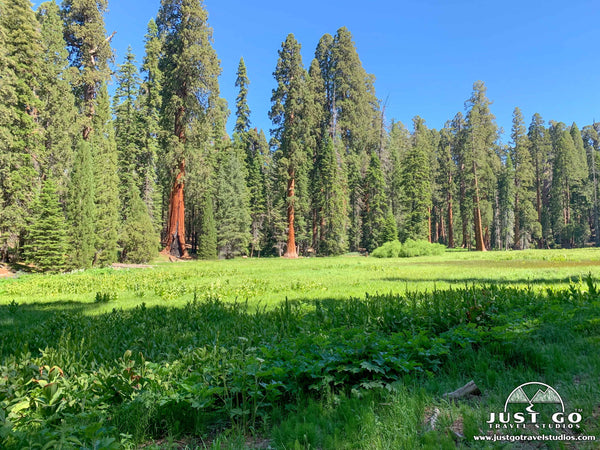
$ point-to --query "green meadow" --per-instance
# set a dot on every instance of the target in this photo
(347, 352)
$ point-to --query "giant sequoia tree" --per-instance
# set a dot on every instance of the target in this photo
(190, 88)
(287, 116)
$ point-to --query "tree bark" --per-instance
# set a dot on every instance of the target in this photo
(290, 251)
(479, 242)
(175, 244)
(517, 230)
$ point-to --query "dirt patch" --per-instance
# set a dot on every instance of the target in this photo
(6, 272)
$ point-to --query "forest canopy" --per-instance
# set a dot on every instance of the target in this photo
(91, 175)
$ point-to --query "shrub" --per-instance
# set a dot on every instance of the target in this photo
(395, 249)
(390, 249)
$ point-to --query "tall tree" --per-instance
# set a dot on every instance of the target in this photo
(287, 116)
(138, 238)
(375, 209)
(482, 163)
(525, 223)
(416, 184)
(242, 123)
(190, 69)
(20, 143)
(58, 115)
(89, 52)
(105, 156)
(232, 204)
(128, 127)
(46, 243)
(150, 102)
(540, 158)
(81, 209)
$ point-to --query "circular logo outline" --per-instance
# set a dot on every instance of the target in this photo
(562, 405)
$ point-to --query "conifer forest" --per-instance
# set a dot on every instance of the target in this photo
(88, 178)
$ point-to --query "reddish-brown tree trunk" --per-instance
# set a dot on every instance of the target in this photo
(517, 237)
(175, 244)
(290, 251)
(450, 219)
(479, 242)
(429, 224)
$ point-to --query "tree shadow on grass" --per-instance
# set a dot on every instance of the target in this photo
(484, 281)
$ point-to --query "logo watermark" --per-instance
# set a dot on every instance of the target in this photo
(531, 408)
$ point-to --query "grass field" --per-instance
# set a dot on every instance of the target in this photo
(347, 352)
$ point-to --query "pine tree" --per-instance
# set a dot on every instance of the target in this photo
(106, 182)
(568, 175)
(149, 101)
(46, 243)
(355, 120)
(89, 51)
(128, 128)
(375, 209)
(190, 89)
(20, 133)
(81, 209)
(333, 224)
(139, 240)
(397, 147)
(257, 149)
(540, 156)
(482, 163)
(242, 123)
(416, 184)
(58, 115)
(446, 180)
(525, 223)
(232, 208)
(207, 241)
(290, 131)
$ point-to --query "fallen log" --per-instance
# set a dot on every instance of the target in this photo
(468, 389)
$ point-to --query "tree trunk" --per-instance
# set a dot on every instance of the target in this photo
(450, 219)
(290, 251)
(517, 236)
(479, 242)
(429, 224)
(175, 244)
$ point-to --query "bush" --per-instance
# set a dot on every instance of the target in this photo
(395, 249)
(390, 249)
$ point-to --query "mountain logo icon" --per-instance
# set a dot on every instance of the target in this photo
(544, 394)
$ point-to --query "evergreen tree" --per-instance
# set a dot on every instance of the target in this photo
(139, 240)
(207, 241)
(568, 175)
(446, 180)
(57, 115)
(81, 209)
(190, 90)
(525, 223)
(540, 158)
(398, 145)
(482, 163)
(333, 224)
(89, 51)
(290, 130)
(416, 184)
(149, 101)
(355, 121)
(257, 150)
(46, 243)
(375, 209)
(232, 208)
(242, 123)
(106, 182)
(20, 142)
(128, 128)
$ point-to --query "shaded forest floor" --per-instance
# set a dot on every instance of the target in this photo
(295, 354)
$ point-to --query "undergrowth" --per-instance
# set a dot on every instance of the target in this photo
(119, 379)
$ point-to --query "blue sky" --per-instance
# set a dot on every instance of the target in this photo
(425, 54)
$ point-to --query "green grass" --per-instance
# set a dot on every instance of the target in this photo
(212, 355)
(271, 281)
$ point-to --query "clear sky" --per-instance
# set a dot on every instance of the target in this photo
(425, 54)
